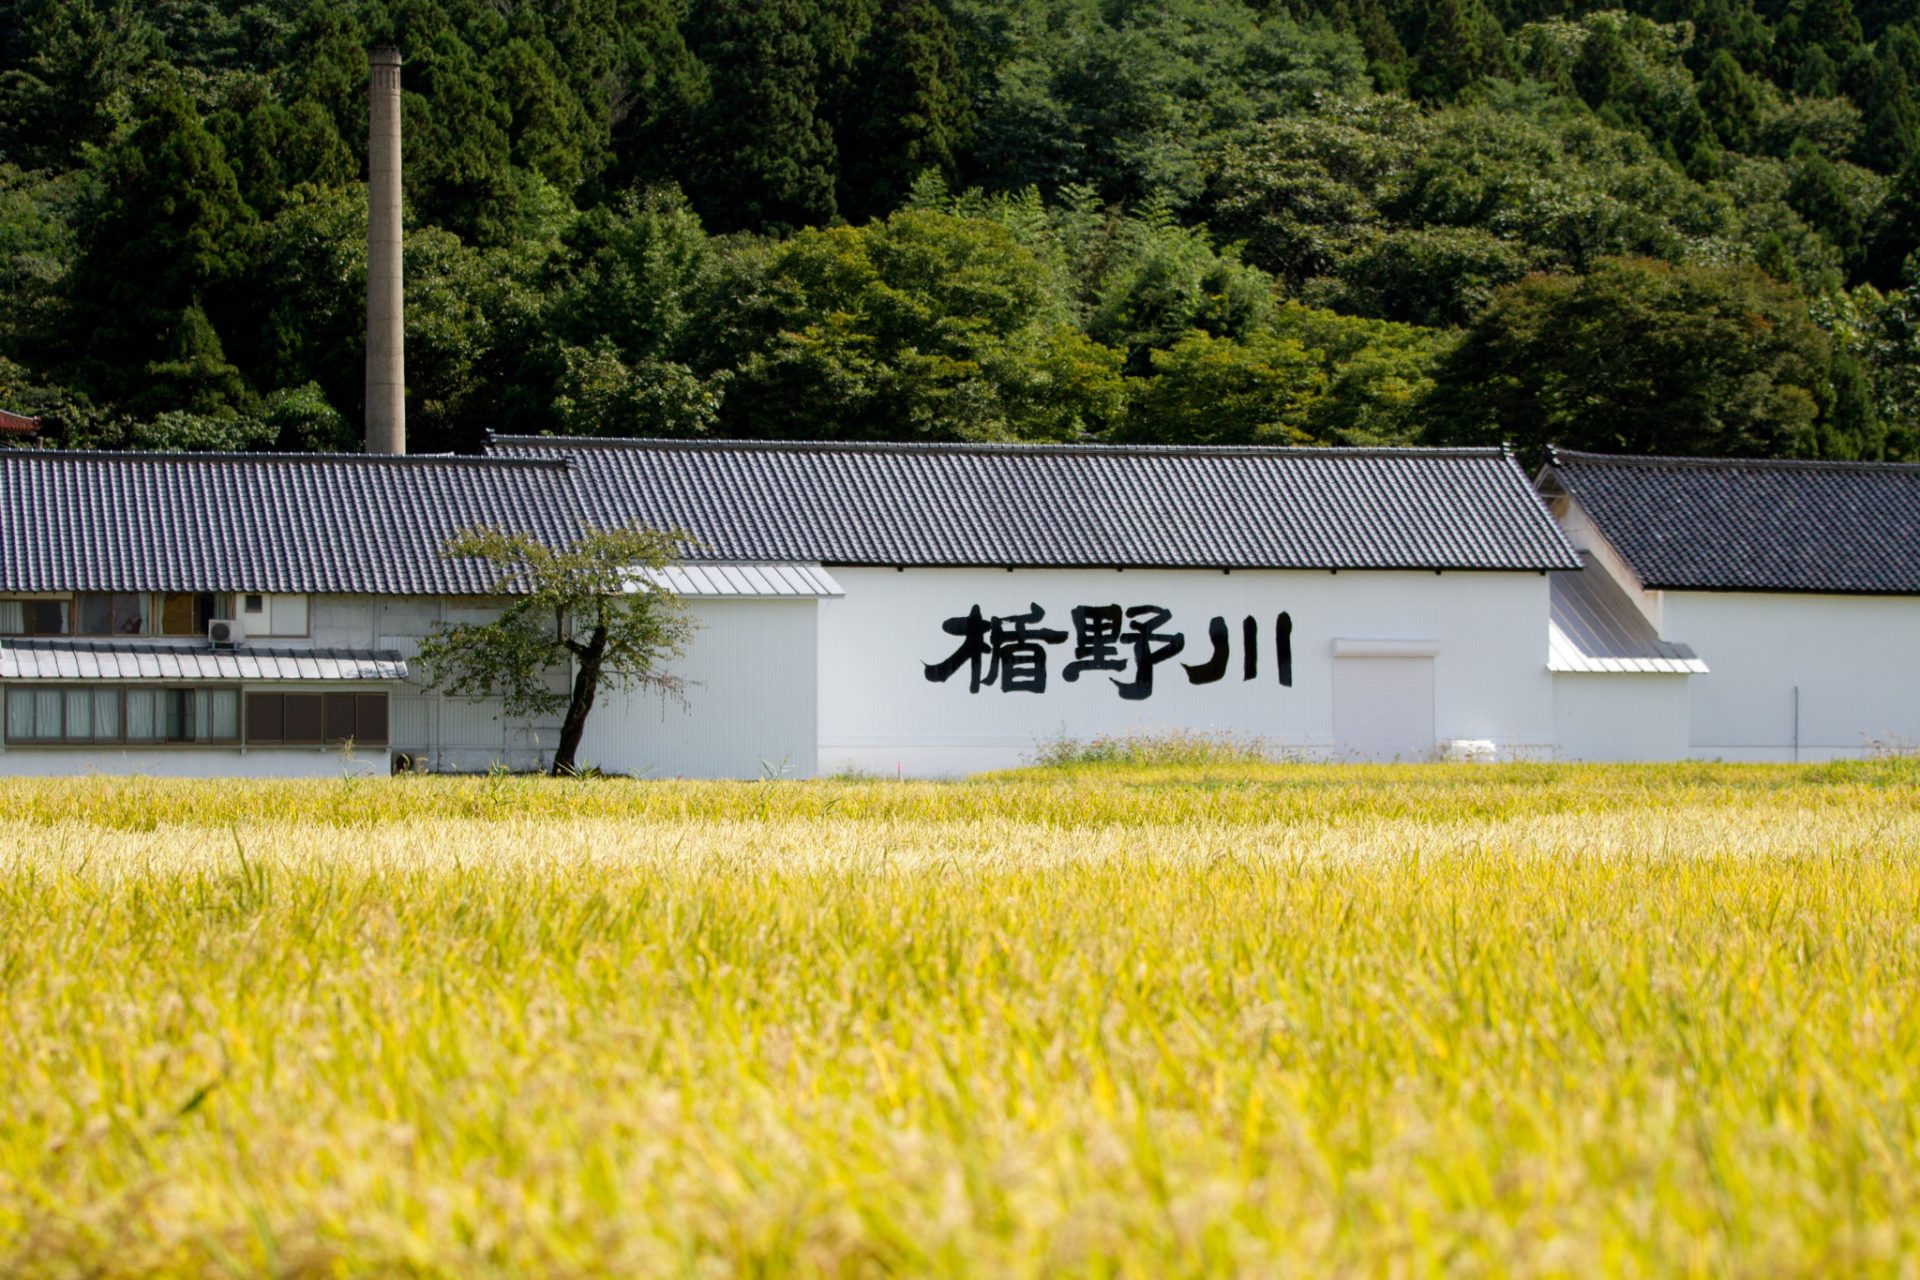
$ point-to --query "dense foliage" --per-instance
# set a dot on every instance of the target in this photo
(1681, 226)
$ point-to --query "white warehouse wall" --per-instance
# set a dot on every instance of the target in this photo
(195, 762)
(750, 672)
(1854, 659)
(441, 734)
(878, 712)
(1620, 716)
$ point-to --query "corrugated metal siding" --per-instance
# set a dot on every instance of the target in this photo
(40, 659)
(747, 581)
(1595, 628)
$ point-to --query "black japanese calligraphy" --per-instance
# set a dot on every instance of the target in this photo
(1215, 668)
(975, 649)
(1019, 642)
(1096, 640)
(1009, 652)
(1151, 647)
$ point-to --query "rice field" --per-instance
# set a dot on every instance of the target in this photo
(1106, 1020)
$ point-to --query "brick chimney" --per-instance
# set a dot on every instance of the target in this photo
(386, 330)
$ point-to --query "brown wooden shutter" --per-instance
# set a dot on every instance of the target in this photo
(266, 717)
(372, 718)
(305, 717)
(340, 717)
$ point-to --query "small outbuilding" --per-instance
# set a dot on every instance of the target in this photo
(1797, 584)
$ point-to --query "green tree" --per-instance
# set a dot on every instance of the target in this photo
(171, 235)
(1640, 357)
(549, 130)
(907, 111)
(1819, 194)
(326, 67)
(1377, 374)
(1815, 74)
(273, 148)
(1883, 86)
(193, 373)
(1429, 275)
(91, 58)
(1459, 44)
(1827, 25)
(1731, 102)
(458, 150)
(594, 605)
(1896, 231)
(924, 326)
(1604, 70)
(758, 152)
(1164, 281)
(1209, 390)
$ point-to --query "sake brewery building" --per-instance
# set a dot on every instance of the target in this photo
(930, 610)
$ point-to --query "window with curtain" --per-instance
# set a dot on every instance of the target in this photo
(33, 617)
(115, 613)
(83, 714)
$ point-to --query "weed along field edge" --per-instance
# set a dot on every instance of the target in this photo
(1116, 1018)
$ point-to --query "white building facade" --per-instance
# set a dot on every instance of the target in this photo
(924, 611)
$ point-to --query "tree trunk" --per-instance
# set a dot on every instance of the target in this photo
(586, 683)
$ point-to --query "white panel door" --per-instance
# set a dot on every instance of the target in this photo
(1383, 708)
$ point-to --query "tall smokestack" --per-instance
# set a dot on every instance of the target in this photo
(386, 333)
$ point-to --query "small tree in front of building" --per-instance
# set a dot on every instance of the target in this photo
(596, 603)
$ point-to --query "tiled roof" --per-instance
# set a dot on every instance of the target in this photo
(1703, 524)
(17, 424)
(1065, 506)
(328, 523)
(1593, 627)
(124, 660)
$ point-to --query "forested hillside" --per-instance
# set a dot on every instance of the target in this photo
(1688, 226)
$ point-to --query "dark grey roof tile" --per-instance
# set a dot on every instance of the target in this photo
(1712, 524)
(1066, 506)
(327, 523)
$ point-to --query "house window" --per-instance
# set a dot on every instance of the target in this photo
(317, 718)
(256, 604)
(187, 613)
(33, 617)
(111, 613)
(78, 715)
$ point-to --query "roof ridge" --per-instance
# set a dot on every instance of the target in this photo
(483, 460)
(1697, 463)
(1014, 448)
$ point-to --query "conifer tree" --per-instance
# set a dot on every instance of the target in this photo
(907, 111)
(172, 233)
(1731, 102)
(1459, 44)
(758, 152)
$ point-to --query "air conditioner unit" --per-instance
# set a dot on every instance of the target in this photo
(226, 632)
